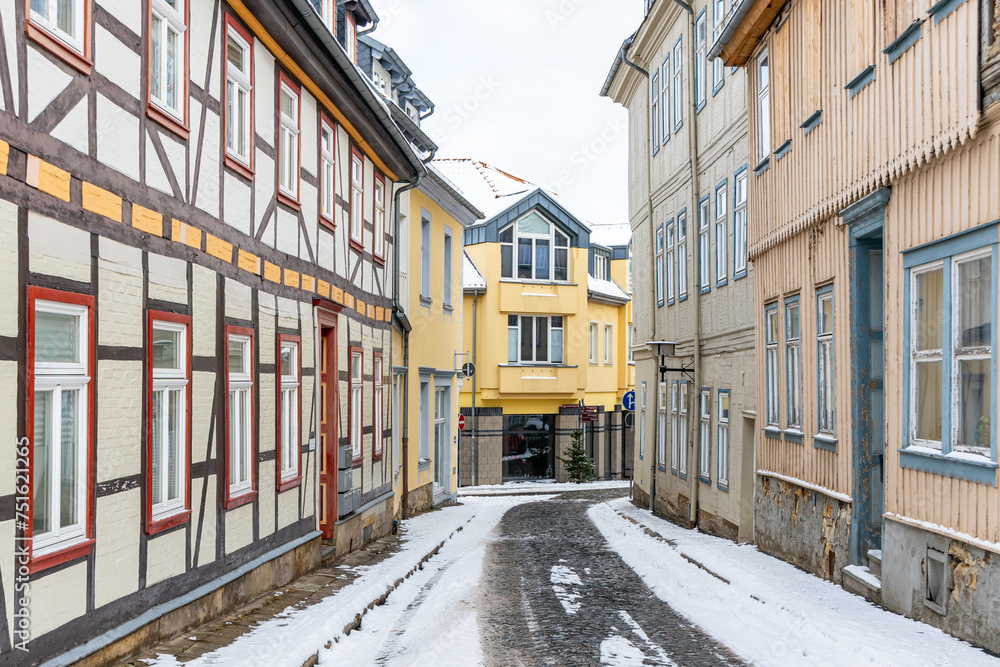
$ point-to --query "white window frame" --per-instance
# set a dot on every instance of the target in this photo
(59, 377)
(960, 353)
(721, 235)
(290, 426)
(288, 144)
(556, 351)
(917, 357)
(654, 97)
(240, 388)
(50, 25)
(771, 329)
(238, 82)
(682, 263)
(351, 38)
(722, 440)
(171, 382)
(558, 242)
(665, 130)
(171, 20)
(682, 427)
(609, 344)
(631, 341)
(826, 373)
(448, 250)
(378, 219)
(677, 92)
(661, 427)
(377, 391)
(658, 270)
(740, 224)
(704, 245)
(718, 22)
(357, 198)
(327, 170)
(601, 262)
(700, 59)
(357, 406)
(675, 445)
(793, 364)
(762, 70)
(593, 343)
(669, 269)
(705, 435)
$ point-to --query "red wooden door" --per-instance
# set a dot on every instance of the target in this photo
(328, 431)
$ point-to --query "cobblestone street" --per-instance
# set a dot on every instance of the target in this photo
(556, 594)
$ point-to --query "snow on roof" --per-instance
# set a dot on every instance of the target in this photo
(490, 189)
(606, 288)
(471, 277)
(617, 234)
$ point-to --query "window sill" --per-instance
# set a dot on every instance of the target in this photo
(953, 465)
(235, 165)
(57, 47)
(535, 365)
(159, 525)
(793, 435)
(783, 149)
(288, 201)
(447, 308)
(906, 39)
(942, 9)
(857, 84)
(772, 432)
(825, 441)
(723, 487)
(356, 245)
(740, 274)
(762, 166)
(528, 281)
(706, 480)
(240, 500)
(327, 222)
(426, 302)
(812, 122)
(423, 463)
(72, 552)
(378, 259)
(290, 483)
(168, 122)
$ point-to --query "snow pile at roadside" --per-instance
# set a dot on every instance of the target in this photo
(771, 613)
(295, 635)
(431, 619)
(546, 486)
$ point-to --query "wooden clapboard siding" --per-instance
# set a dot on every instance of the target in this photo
(798, 266)
(948, 196)
(921, 106)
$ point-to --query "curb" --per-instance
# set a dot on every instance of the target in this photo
(380, 600)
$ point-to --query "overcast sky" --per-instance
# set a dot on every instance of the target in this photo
(516, 83)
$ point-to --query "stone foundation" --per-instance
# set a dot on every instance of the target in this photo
(804, 527)
(353, 533)
(972, 606)
(418, 500)
(714, 524)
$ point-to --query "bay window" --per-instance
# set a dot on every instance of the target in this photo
(289, 411)
(327, 166)
(951, 339)
(60, 409)
(239, 95)
(355, 409)
(168, 448)
(167, 55)
(542, 250)
(239, 416)
(534, 339)
(288, 139)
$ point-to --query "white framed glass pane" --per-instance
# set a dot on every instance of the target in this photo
(166, 349)
(42, 468)
(975, 289)
(288, 361)
(928, 332)
(57, 337)
(173, 444)
(236, 360)
(157, 463)
(975, 401)
(69, 445)
(927, 403)
(533, 224)
(825, 314)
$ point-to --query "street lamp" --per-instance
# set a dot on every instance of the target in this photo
(664, 349)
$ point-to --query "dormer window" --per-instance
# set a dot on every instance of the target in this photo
(542, 250)
(351, 38)
(602, 265)
(380, 83)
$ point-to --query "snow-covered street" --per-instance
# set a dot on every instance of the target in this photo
(581, 576)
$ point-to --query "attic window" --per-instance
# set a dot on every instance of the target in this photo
(542, 250)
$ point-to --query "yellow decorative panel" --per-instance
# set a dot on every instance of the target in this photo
(147, 220)
(248, 261)
(100, 201)
(272, 272)
(216, 247)
(291, 278)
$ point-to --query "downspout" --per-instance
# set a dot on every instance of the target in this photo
(652, 250)
(475, 322)
(693, 465)
(397, 307)
(368, 30)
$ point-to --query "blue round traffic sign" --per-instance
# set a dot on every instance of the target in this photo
(628, 401)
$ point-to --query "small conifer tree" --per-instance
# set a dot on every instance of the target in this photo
(578, 465)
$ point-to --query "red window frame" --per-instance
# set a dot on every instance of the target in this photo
(357, 244)
(330, 222)
(180, 128)
(82, 62)
(232, 502)
(350, 402)
(282, 196)
(378, 243)
(83, 547)
(294, 481)
(154, 527)
(378, 425)
(231, 162)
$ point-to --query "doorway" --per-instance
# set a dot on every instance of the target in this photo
(328, 430)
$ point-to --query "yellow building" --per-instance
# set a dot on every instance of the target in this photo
(548, 326)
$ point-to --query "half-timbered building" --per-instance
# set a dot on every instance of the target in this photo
(196, 246)
(873, 208)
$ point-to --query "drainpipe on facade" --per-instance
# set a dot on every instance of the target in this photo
(692, 464)
(652, 249)
(475, 426)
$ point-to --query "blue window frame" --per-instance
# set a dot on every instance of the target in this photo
(665, 100)
(721, 233)
(740, 224)
(722, 440)
(654, 100)
(826, 368)
(682, 256)
(718, 21)
(704, 247)
(700, 59)
(642, 421)
(682, 429)
(950, 369)
(771, 329)
(678, 90)
(670, 269)
(658, 270)
(674, 444)
(661, 427)
(793, 369)
(705, 435)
